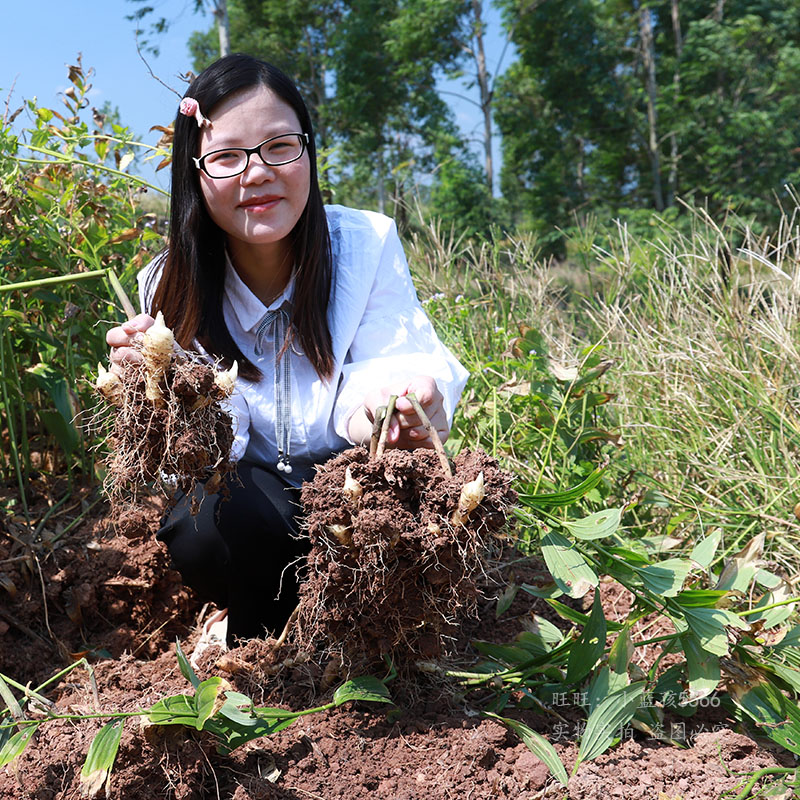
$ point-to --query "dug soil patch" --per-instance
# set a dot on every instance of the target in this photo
(118, 603)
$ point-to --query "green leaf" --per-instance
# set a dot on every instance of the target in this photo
(790, 639)
(206, 700)
(505, 599)
(776, 716)
(59, 422)
(604, 683)
(769, 580)
(631, 556)
(775, 616)
(701, 598)
(613, 677)
(233, 734)
(786, 673)
(571, 615)
(177, 709)
(606, 719)
(539, 629)
(11, 702)
(16, 745)
(503, 653)
(544, 592)
(591, 645)
(702, 667)
(100, 758)
(366, 688)
(569, 568)
(703, 552)
(740, 570)
(238, 708)
(537, 744)
(595, 526)
(665, 578)
(533, 643)
(566, 498)
(186, 667)
(621, 652)
(709, 625)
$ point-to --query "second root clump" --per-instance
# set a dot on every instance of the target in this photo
(398, 551)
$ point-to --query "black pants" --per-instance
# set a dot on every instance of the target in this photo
(240, 552)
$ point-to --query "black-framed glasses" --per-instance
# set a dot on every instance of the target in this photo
(274, 152)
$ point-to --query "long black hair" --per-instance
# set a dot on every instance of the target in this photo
(192, 277)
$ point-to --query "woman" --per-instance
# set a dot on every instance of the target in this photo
(317, 306)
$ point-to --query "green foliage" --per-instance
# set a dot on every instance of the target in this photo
(537, 744)
(101, 756)
(584, 128)
(669, 467)
(230, 717)
(71, 220)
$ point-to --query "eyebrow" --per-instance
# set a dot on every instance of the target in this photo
(226, 143)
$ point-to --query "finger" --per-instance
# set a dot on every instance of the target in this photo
(141, 322)
(121, 355)
(408, 420)
(424, 388)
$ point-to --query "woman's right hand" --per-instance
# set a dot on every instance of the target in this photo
(122, 338)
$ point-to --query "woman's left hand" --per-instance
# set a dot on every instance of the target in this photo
(406, 430)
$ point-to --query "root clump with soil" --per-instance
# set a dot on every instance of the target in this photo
(168, 429)
(396, 554)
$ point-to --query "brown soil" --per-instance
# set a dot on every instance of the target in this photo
(118, 602)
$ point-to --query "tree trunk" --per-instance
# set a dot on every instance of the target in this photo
(380, 181)
(485, 91)
(649, 61)
(672, 183)
(580, 173)
(221, 15)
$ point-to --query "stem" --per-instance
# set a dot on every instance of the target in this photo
(432, 432)
(758, 775)
(655, 639)
(380, 413)
(109, 715)
(50, 512)
(385, 427)
(786, 602)
(20, 469)
(64, 159)
(27, 691)
(130, 311)
(68, 528)
(78, 276)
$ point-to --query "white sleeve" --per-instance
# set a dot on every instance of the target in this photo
(147, 280)
(394, 342)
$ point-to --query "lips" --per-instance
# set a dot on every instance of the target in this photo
(264, 200)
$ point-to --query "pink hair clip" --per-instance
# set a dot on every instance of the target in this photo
(189, 107)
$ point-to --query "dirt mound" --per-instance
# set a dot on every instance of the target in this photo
(391, 569)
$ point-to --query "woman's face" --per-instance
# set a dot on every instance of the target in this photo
(262, 205)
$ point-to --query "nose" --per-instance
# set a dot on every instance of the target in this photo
(257, 170)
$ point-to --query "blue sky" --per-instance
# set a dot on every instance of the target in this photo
(42, 39)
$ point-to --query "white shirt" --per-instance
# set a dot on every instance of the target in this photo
(380, 334)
